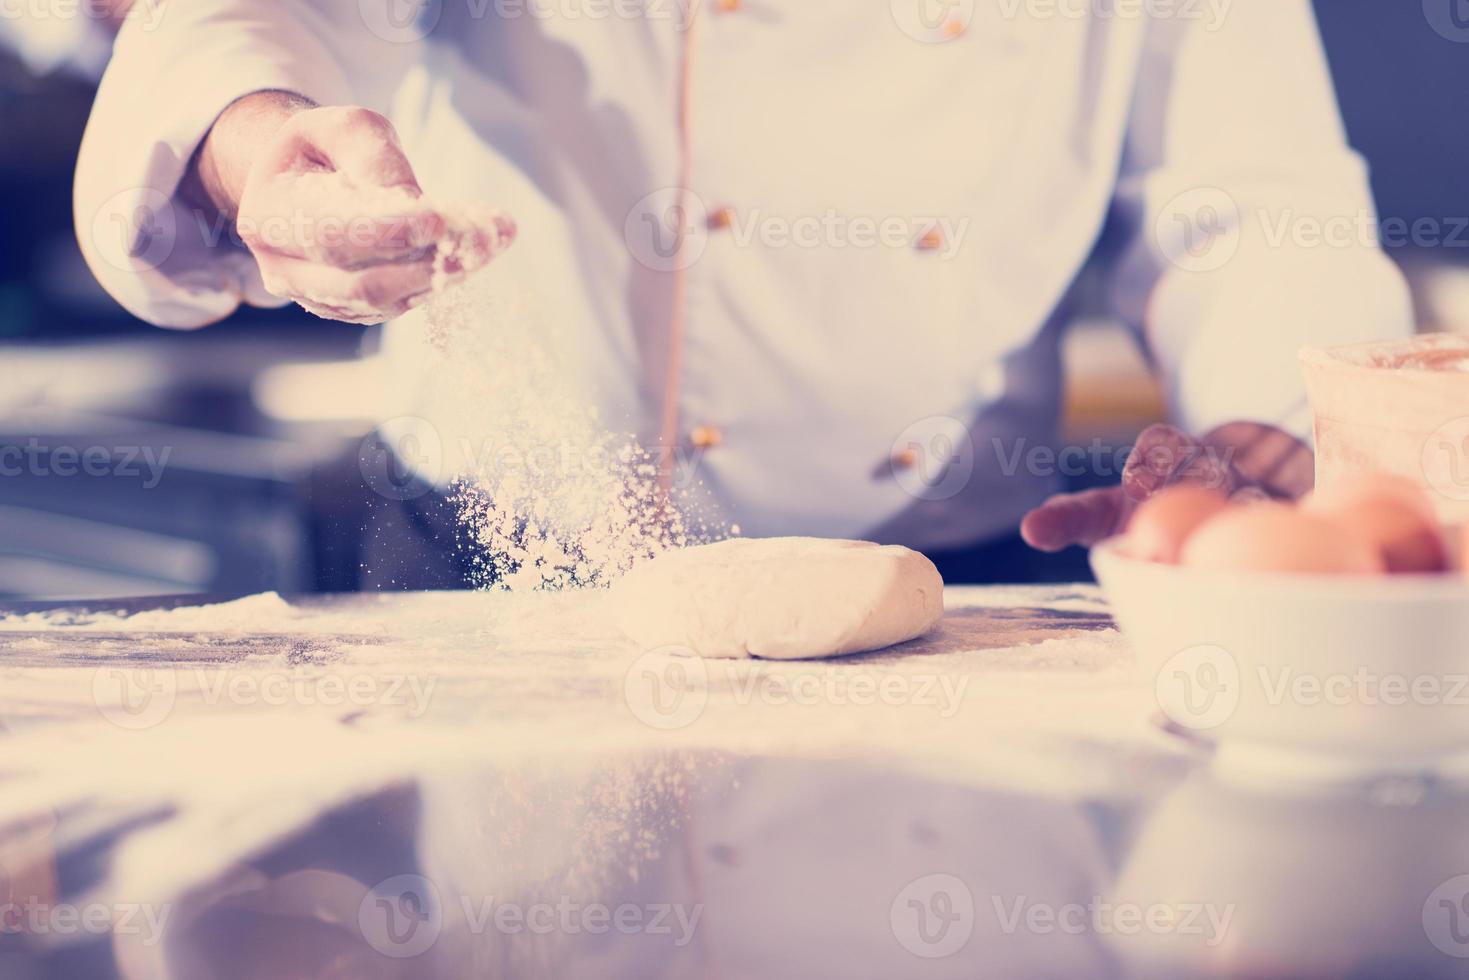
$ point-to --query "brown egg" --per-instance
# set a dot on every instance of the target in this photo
(1270, 537)
(1372, 486)
(1161, 525)
(1394, 514)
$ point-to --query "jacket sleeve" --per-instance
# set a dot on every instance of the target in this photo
(1251, 230)
(175, 67)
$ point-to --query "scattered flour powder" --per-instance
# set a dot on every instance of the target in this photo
(553, 498)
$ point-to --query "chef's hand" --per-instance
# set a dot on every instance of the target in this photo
(328, 204)
(1240, 459)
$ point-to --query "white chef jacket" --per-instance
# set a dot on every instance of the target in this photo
(883, 202)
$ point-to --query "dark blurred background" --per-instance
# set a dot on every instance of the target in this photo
(261, 416)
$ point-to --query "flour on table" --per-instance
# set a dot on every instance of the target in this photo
(263, 612)
(780, 598)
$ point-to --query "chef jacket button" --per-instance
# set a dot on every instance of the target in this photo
(705, 437)
(721, 218)
(905, 460)
(930, 241)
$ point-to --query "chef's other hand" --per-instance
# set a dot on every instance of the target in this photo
(1240, 459)
(329, 206)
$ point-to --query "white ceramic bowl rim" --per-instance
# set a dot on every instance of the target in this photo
(1448, 586)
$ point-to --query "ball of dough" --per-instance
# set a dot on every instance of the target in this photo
(780, 598)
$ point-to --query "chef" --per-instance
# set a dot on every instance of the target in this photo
(820, 253)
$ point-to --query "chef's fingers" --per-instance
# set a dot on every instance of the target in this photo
(360, 144)
(294, 226)
(460, 247)
(364, 240)
(1249, 495)
(335, 186)
(1274, 459)
(1164, 455)
(1076, 519)
(366, 296)
(1209, 469)
(474, 240)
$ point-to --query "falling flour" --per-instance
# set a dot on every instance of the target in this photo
(551, 497)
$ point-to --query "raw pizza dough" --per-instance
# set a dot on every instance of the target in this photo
(780, 598)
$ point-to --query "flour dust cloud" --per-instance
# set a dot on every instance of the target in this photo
(551, 496)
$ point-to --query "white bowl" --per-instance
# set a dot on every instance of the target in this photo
(1368, 670)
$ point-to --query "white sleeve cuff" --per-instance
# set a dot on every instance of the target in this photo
(1228, 341)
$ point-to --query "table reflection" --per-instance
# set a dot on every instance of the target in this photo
(704, 865)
